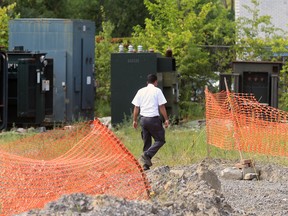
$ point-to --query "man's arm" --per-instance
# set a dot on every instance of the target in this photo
(135, 115)
(164, 114)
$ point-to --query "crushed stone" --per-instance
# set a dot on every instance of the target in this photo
(192, 190)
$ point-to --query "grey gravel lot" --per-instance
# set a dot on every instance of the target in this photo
(268, 196)
(191, 190)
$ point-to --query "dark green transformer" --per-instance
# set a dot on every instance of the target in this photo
(129, 73)
(30, 76)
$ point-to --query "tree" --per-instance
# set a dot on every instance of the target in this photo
(39, 8)
(229, 4)
(124, 15)
(103, 51)
(121, 13)
(259, 40)
(198, 31)
(256, 36)
(86, 9)
(6, 13)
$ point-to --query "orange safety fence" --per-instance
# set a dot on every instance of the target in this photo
(86, 158)
(237, 121)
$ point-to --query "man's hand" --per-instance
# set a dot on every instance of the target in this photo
(166, 123)
(164, 113)
(135, 114)
(135, 124)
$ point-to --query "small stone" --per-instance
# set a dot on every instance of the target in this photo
(169, 203)
(250, 176)
(41, 129)
(209, 176)
(250, 170)
(21, 130)
(167, 185)
(232, 173)
(179, 173)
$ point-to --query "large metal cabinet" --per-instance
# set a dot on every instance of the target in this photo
(129, 73)
(26, 93)
(258, 78)
(71, 45)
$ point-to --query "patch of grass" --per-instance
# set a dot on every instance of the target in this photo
(185, 146)
(12, 136)
(7, 141)
(192, 110)
(102, 108)
(182, 147)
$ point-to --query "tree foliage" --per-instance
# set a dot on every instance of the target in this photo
(39, 8)
(103, 51)
(6, 13)
(121, 13)
(257, 38)
(283, 99)
(199, 33)
(124, 15)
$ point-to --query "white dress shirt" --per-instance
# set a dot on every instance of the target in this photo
(149, 99)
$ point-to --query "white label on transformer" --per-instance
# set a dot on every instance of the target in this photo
(38, 77)
(45, 85)
(88, 81)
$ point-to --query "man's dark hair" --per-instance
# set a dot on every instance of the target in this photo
(151, 78)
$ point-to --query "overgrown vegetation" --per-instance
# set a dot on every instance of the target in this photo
(185, 146)
(103, 51)
(6, 13)
(12, 136)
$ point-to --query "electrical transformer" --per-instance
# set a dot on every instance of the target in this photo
(258, 78)
(129, 73)
(70, 44)
(29, 79)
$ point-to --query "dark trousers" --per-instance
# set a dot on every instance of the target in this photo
(152, 128)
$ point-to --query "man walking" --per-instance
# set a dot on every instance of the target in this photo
(148, 101)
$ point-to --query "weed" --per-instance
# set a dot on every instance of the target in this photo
(185, 146)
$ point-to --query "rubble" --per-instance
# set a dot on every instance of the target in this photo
(198, 189)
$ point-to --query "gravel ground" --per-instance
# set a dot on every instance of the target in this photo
(197, 190)
(268, 196)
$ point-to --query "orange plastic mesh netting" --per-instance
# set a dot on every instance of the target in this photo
(236, 121)
(86, 158)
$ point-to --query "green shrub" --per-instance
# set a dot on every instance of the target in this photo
(102, 108)
(191, 110)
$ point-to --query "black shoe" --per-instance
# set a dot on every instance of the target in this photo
(146, 160)
(146, 167)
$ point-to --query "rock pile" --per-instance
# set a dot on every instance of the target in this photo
(186, 191)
